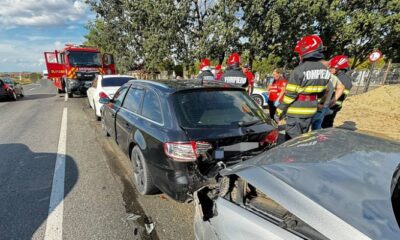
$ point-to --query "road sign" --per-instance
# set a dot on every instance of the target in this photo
(375, 56)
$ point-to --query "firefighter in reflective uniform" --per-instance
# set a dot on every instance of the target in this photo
(305, 87)
(234, 73)
(339, 66)
(206, 73)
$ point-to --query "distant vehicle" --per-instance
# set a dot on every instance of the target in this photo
(73, 69)
(9, 89)
(260, 96)
(331, 184)
(104, 86)
(45, 74)
(178, 134)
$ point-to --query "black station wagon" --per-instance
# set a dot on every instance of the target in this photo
(178, 134)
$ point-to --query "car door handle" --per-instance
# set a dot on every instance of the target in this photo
(113, 115)
(128, 126)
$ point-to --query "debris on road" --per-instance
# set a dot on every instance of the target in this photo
(149, 227)
(133, 217)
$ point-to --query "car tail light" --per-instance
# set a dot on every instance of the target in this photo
(5, 86)
(271, 137)
(186, 151)
(103, 95)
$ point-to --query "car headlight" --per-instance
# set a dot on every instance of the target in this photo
(79, 74)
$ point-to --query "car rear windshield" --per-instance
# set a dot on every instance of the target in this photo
(115, 81)
(215, 108)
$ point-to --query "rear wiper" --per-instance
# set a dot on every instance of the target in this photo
(247, 124)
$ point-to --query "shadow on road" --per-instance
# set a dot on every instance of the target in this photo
(25, 188)
(36, 96)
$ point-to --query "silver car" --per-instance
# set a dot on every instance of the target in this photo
(331, 184)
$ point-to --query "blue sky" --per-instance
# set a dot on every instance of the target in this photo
(30, 27)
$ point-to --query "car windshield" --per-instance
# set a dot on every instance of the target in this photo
(216, 108)
(115, 81)
(87, 59)
(8, 81)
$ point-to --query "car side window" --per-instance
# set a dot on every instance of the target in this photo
(119, 96)
(134, 99)
(151, 107)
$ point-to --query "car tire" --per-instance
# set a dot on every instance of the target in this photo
(258, 99)
(104, 128)
(59, 91)
(70, 95)
(141, 175)
(22, 94)
(95, 113)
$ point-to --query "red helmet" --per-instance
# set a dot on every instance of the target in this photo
(204, 63)
(218, 67)
(339, 62)
(309, 44)
(234, 58)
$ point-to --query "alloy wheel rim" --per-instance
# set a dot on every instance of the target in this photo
(138, 172)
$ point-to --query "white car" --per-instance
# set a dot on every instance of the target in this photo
(104, 86)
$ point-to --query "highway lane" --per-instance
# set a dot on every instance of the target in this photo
(93, 206)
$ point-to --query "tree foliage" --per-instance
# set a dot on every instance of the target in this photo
(159, 34)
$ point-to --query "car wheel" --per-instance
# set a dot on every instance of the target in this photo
(141, 174)
(258, 99)
(70, 95)
(22, 93)
(59, 91)
(95, 113)
(104, 128)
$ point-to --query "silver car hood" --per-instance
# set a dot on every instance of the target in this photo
(337, 181)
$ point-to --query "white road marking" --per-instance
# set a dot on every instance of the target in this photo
(66, 97)
(56, 207)
(31, 89)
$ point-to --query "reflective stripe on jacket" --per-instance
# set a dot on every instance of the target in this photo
(309, 78)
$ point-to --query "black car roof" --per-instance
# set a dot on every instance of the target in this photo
(348, 173)
(172, 86)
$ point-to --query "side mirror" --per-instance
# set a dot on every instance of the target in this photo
(108, 59)
(104, 100)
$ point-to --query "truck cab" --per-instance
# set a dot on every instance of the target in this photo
(74, 68)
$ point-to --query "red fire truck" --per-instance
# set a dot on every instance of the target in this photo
(73, 68)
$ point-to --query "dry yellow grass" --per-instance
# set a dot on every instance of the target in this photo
(376, 112)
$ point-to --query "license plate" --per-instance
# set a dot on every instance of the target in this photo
(241, 147)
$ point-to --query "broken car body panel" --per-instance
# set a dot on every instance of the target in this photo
(336, 181)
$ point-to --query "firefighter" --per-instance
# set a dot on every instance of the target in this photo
(306, 85)
(234, 73)
(218, 72)
(250, 78)
(339, 66)
(205, 69)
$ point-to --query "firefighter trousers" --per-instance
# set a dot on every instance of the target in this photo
(296, 126)
(329, 119)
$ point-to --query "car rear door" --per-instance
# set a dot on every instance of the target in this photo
(128, 119)
(110, 110)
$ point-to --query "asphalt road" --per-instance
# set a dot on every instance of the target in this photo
(60, 179)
